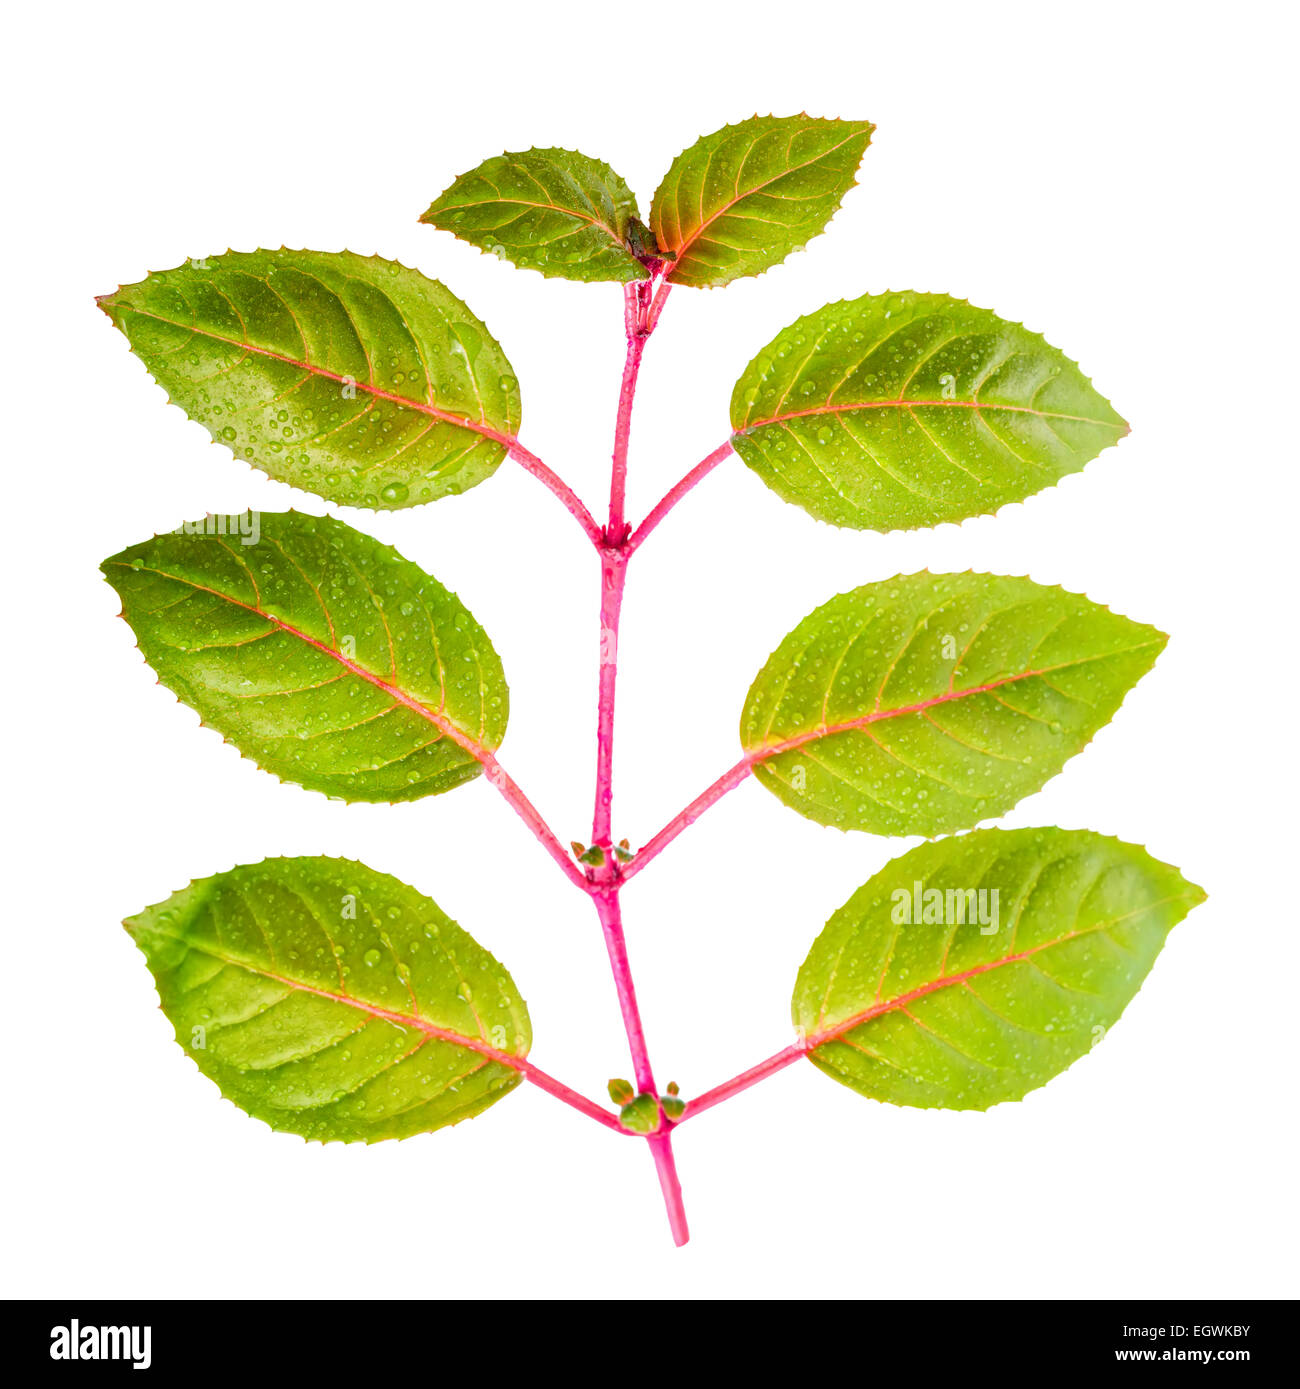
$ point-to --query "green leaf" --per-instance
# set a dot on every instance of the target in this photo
(739, 201)
(917, 993)
(551, 210)
(932, 701)
(895, 411)
(320, 653)
(351, 377)
(332, 1001)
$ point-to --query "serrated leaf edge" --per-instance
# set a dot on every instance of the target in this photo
(517, 1062)
(756, 757)
(738, 431)
(546, 273)
(482, 754)
(771, 115)
(779, 420)
(1196, 895)
(106, 303)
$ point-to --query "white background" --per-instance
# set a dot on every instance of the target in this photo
(1107, 174)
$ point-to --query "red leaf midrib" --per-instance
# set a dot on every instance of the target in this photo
(508, 441)
(849, 409)
(439, 720)
(376, 1010)
(765, 751)
(683, 249)
(832, 1034)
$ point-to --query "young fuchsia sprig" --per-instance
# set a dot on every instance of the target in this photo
(889, 411)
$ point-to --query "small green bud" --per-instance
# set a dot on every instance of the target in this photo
(641, 1116)
(672, 1107)
(621, 1092)
(594, 856)
(672, 1088)
(623, 851)
(578, 849)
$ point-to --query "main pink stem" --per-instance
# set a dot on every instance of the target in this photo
(605, 879)
(661, 1143)
(613, 575)
(634, 322)
(615, 543)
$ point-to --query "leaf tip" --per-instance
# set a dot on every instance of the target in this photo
(110, 306)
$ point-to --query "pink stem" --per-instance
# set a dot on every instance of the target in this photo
(613, 565)
(570, 1097)
(661, 1145)
(611, 925)
(661, 1149)
(530, 462)
(603, 881)
(743, 1081)
(657, 306)
(696, 475)
(524, 808)
(613, 573)
(634, 320)
(728, 781)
